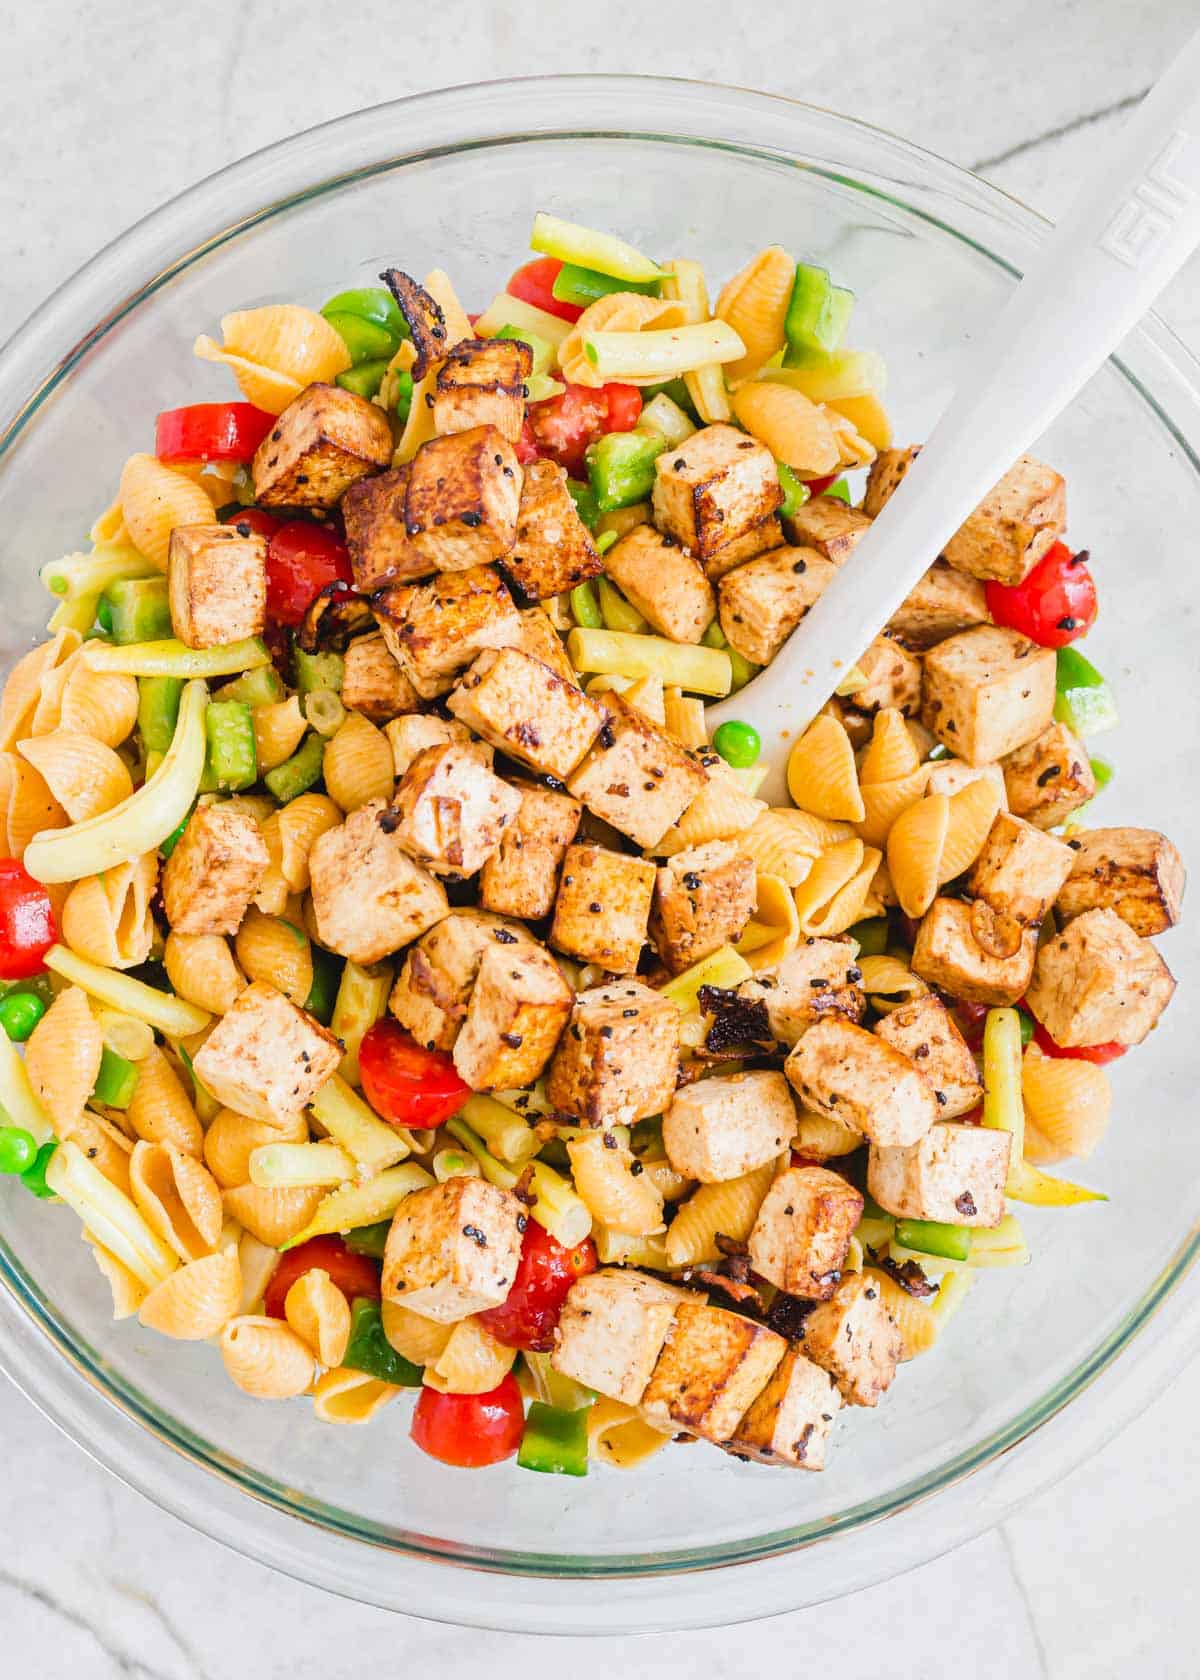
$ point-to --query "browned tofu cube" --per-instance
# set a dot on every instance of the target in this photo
(759, 539)
(763, 601)
(374, 684)
(214, 870)
(216, 584)
(790, 1421)
(951, 775)
(802, 1232)
(553, 550)
(525, 710)
(266, 1058)
(720, 1128)
(820, 978)
(1049, 778)
(1097, 982)
(436, 629)
(703, 898)
(540, 640)
(923, 1030)
(617, 1061)
(416, 731)
(893, 678)
(828, 525)
(460, 509)
(944, 603)
(636, 776)
(854, 1337)
(988, 692)
(611, 1332)
(955, 1175)
(1135, 871)
(664, 582)
(1013, 525)
(368, 896)
(603, 907)
(451, 810)
(519, 1006)
(948, 954)
(323, 442)
(713, 1365)
(521, 878)
(434, 985)
(481, 382)
(847, 1074)
(714, 487)
(453, 1249)
(376, 533)
(886, 474)
(1020, 870)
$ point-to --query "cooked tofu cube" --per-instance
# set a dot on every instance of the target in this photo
(436, 629)
(481, 382)
(611, 1331)
(886, 474)
(802, 1232)
(720, 1128)
(324, 440)
(714, 487)
(988, 692)
(923, 1030)
(265, 1058)
(944, 603)
(451, 810)
(763, 601)
(759, 539)
(453, 1249)
(416, 731)
(521, 878)
(854, 1337)
(434, 985)
(703, 898)
(1013, 525)
(819, 979)
(460, 509)
(540, 640)
(790, 1421)
(368, 896)
(617, 1061)
(893, 678)
(1049, 777)
(955, 1174)
(713, 1365)
(948, 954)
(828, 525)
(636, 776)
(374, 684)
(664, 582)
(519, 1006)
(1097, 982)
(525, 710)
(951, 775)
(848, 1074)
(602, 911)
(1020, 871)
(376, 532)
(1135, 871)
(216, 584)
(553, 550)
(214, 870)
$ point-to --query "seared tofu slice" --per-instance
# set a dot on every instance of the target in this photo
(323, 442)
(951, 775)
(1013, 525)
(436, 629)
(886, 474)
(759, 539)
(434, 985)
(527, 711)
(519, 1006)
(714, 487)
(266, 1058)
(216, 584)
(376, 533)
(713, 1365)
(374, 684)
(703, 898)
(540, 640)
(602, 911)
(790, 1421)
(988, 692)
(664, 582)
(453, 1249)
(412, 734)
(611, 1331)
(636, 776)
(819, 979)
(848, 1074)
(828, 525)
(1097, 982)
(481, 382)
(553, 550)
(802, 1233)
(955, 1174)
(214, 870)
(1135, 871)
(460, 509)
(451, 810)
(944, 603)
(948, 954)
(855, 1338)
(368, 896)
(521, 878)
(720, 1128)
(617, 1061)
(893, 678)
(763, 601)
(1020, 871)
(1049, 777)
(923, 1030)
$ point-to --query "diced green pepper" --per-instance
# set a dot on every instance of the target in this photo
(543, 350)
(365, 378)
(584, 498)
(167, 846)
(795, 491)
(1026, 1025)
(260, 687)
(317, 670)
(34, 1177)
(839, 492)
(371, 303)
(366, 340)
(621, 467)
(818, 312)
(116, 1081)
(369, 1239)
(585, 607)
(930, 1236)
(231, 761)
(1103, 773)
(605, 541)
(555, 1441)
(871, 935)
(742, 669)
(158, 711)
(298, 773)
(327, 977)
(139, 610)
(582, 286)
(1084, 701)
(369, 1349)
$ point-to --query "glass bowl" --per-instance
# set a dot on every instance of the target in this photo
(1099, 1321)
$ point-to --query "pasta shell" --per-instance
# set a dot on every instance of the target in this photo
(419, 1339)
(273, 1216)
(276, 951)
(833, 870)
(178, 1198)
(62, 1058)
(684, 718)
(457, 322)
(128, 1292)
(774, 931)
(884, 801)
(795, 430)
(107, 918)
(670, 1184)
(84, 775)
(825, 1140)
(618, 312)
(890, 753)
(358, 764)
(779, 847)
(154, 500)
(918, 1326)
(202, 969)
(109, 526)
(161, 1110)
(889, 982)
(278, 731)
(881, 896)
(319, 1313)
(618, 1435)
(198, 1300)
(1067, 1105)
(23, 686)
(105, 1145)
(27, 807)
(973, 810)
(232, 1138)
(472, 1361)
(915, 844)
(259, 1263)
(631, 1205)
(755, 303)
(821, 774)
(265, 1358)
(729, 1209)
(346, 1396)
(854, 450)
(720, 811)
(275, 351)
(102, 704)
(849, 904)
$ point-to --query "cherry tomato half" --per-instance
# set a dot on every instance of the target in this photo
(27, 925)
(302, 558)
(470, 1430)
(404, 1082)
(624, 407)
(254, 520)
(354, 1274)
(545, 1272)
(534, 283)
(1098, 1053)
(1055, 605)
(526, 445)
(211, 432)
(818, 486)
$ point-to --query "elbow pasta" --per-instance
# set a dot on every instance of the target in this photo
(727, 1209)
(202, 969)
(273, 353)
(161, 1110)
(319, 1313)
(628, 1203)
(618, 1435)
(62, 1058)
(107, 918)
(685, 283)
(197, 1301)
(358, 765)
(177, 1197)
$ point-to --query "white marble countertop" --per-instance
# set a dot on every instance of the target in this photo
(110, 109)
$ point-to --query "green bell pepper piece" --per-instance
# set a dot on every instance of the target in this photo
(930, 1236)
(158, 711)
(543, 350)
(369, 1239)
(167, 846)
(317, 670)
(366, 340)
(116, 1081)
(555, 1441)
(327, 976)
(261, 687)
(586, 505)
(1084, 700)
(369, 1349)
(231, 761)
(371, 303)
(818, 311)
(621, 467)
(795, 491)
(34, 1177)
(743, 670)
(298, 773)
(839, 492)
(1103, 773)
(139, 610)
(582, 286)
(365, 378)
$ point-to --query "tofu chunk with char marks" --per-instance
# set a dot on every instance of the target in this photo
(434, 985)
(1013, 526)
(703, 898)
(521, 876)
(323, 442)
(617, 1061)
(602, 911)
(373, 682)
(553, 549)
(759, 539)
(802, 1232)
(948, 954)
(955, 1175)
(481, 382)
(265, 1058)
(450, 810)
(893, 678)
(988, 692)
(713, 1366)
(1049, 777)
(1020, 871)
(369, 898)
(762, 602)
(611, 1331)
(713, 488)
(519, 1006)
(951, 775)
(721, 1128)
(790, 1421)
(216, 584)
(1135, 871)
(524, 709)
(944, 603)
(376, 533)
(540, 640)
(923, 1030)
(453, 1249)
(460, 508)
(819, 979)
(848, 1074)
(664, 582)
(214, 870)
(854, 1337)
(436, 629)
(1096, 983)
(416, 731)
(828, 525)
(636, 776)
(887, 473)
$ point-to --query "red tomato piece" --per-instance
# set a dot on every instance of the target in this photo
(302, 559)
(545, 1272)
(211, 432)
(526, 445)
(405, 1083)
(969, 1019)
(818, 486)
(254, 520)
(470, 1430)
(1098, 1053)
(354, 1274)
(564, 426)
(27, 925)
(534, 283)
(624, 407)
(1055, 605)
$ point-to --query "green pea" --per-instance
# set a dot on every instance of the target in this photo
(738, 744)
(20, 1012)
(34, 1176)
(18, 1149)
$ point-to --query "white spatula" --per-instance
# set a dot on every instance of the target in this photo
(1127, 234)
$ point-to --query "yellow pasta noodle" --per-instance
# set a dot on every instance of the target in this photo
(888, 982)
(883, 802)
(259, 1263)
(272, 949)
(102, 704)
(319, 1313)
(346, 1396)
(755, 303)
(198, 1300)
(232, 1138)
(21, 1104)
(719, 812)
(684, 281)
(27, 807)
(727, 1209)
(128, 1292)
(361, 1000)
(358, 764)
(619, 312)
(825, 1140)
(105, 1145)
(273, 1216)
(85, 777)
(357, 1204)
(111, 1216)
(1067, 1105)
(275, 351)
(821, 774)
(161, 1110)
(274, 1165)
(107, 918)
(614, 1196)
(890, 755)
(794, 429)
(357, 1128)
(915, 845)
(613, 1248)
(62, 1058)
(472, 1361)
(683, 717)
(202, 969)
(177, 1197)
(618, 1435)
(265, 1358)
(973, 810)
(170, 1015)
